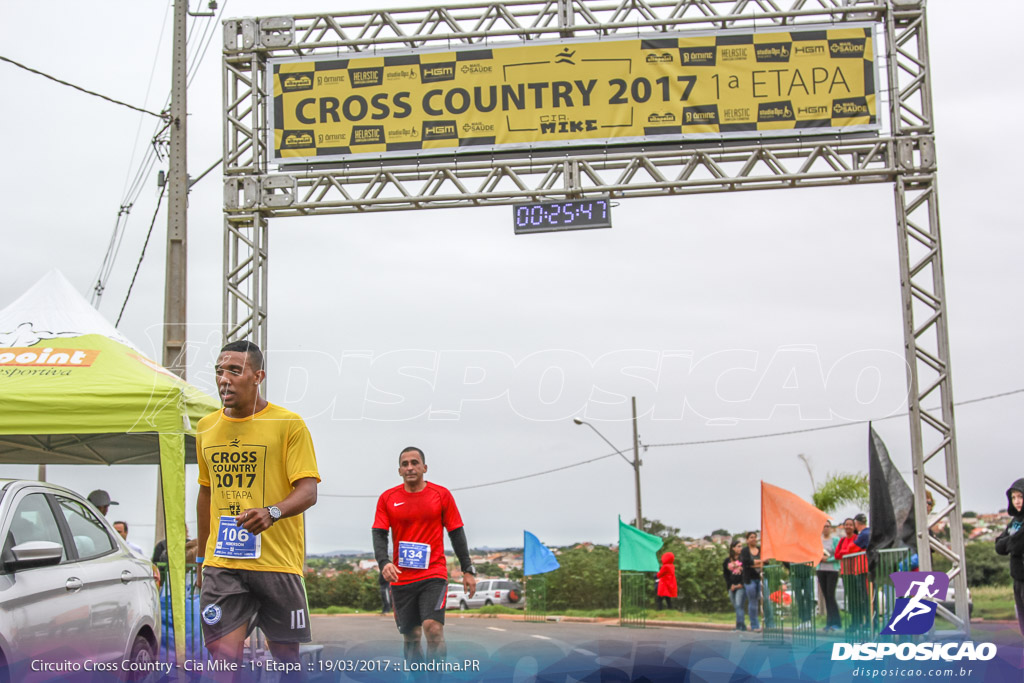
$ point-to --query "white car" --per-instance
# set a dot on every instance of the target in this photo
(488, 592)
(71, 592)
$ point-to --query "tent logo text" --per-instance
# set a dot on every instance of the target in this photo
(26, 357)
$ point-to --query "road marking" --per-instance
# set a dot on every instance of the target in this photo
(495, 628)
(540, 637)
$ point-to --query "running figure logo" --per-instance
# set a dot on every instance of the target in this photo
(914, 613)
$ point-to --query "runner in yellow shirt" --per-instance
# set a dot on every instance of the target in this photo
(257, 475)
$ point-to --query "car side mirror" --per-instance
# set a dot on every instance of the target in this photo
(35, 554)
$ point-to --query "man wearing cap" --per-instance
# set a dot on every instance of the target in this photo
(257, 475)
(860, 523)
(101, 501)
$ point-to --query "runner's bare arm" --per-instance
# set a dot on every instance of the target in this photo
(301, 498)
(203, 520)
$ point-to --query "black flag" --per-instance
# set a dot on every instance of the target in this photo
(891, 502)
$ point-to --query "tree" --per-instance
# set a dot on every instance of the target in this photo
(490, 570)
(720, 532)
(839, 489)
(656, 527)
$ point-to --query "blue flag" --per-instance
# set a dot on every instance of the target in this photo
(537, 558)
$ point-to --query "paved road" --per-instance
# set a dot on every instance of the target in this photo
(368, 648)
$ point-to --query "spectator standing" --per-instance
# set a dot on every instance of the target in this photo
(860, 523)
(101, 501)
(732, 571)
(750, 557)
(828, 577)
(666, 581)
(1011, 542)
(122, 530)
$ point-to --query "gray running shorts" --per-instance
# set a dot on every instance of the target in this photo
(232, 597)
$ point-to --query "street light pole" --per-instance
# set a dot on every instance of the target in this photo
(634, 463)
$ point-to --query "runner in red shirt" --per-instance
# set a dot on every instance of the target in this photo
(416, 512)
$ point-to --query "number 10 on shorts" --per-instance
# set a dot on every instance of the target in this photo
(298, 619)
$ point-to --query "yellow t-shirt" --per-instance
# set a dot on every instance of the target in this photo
(253, 462)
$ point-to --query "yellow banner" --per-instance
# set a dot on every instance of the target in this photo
(661, 89)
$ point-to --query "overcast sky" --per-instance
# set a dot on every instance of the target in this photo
(729, 315)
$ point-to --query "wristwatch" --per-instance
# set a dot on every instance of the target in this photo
(470, 570)
(275, 513)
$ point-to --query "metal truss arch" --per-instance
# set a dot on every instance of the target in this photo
(903, 154)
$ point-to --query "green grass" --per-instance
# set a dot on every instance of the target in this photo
(993, 602)
(335, 609)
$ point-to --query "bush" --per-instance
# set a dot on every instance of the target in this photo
(359, 590)
(587, 579)
(984, 566)
(699, 577)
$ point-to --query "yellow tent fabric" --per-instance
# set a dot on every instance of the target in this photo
(74, 391)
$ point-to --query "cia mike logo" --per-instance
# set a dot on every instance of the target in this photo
(914, 612)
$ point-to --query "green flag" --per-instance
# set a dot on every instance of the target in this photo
(638, 549)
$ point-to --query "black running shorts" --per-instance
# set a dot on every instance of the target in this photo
(416, 602)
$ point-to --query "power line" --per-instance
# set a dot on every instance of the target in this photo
(81, 89)
(822, 428)
(688, 443)
(159, 200)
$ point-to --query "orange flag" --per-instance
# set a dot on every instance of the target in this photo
(790, 526)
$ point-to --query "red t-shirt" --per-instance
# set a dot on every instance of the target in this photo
(418, 518)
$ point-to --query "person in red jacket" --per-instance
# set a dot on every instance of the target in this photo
(667, 588)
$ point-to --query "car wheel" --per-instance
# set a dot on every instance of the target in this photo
(463, 606)
(488, 602)
(142, 654)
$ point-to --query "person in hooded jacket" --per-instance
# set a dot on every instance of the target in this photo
(1011, 542)
(666, 579)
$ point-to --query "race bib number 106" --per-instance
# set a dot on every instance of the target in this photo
(235, 542)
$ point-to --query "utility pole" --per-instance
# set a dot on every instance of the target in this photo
(636, 468)
(175, 283)
(175, 289)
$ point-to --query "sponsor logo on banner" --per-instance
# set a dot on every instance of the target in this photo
(297, 139)
(440, 130)
(294, 82)
(733, 114)
(477, 127)
(476, 68)
(733, 53)
(439, 71)
(367, 135)
(47, 358)
(362, 78)
(664, 57)
(704, 115)
(402, 74)
(850, 107)
(773, 52)
(808, 49)
(774, 111)
(698, 56)
(667, 117)
(817, 110)
(852, 48)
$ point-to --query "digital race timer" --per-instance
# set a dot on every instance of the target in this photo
(575, 214)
